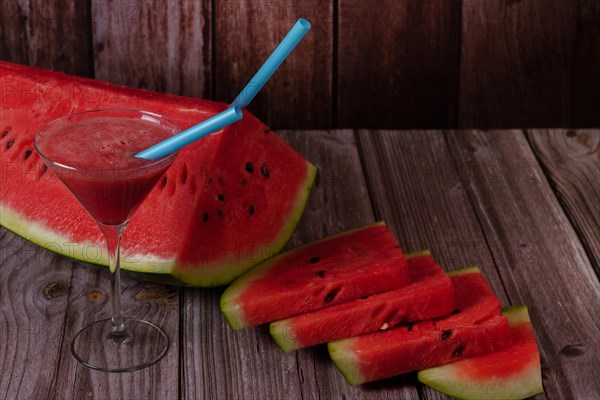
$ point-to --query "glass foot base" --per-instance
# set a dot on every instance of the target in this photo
(142, 345)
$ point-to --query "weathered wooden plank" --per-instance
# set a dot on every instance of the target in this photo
(585, 66)
(157, 45)
(416, 188)
(397, 63)
(47, 34)
(299, 94)
(34, 287)
(541, 261)
(515, 58)
(572, 161)
(218, 363)
(89, 300)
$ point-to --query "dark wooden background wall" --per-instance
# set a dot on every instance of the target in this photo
(366, 63)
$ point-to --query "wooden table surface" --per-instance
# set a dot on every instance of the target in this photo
(523, 205)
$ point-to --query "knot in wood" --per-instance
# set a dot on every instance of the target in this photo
(55, 290)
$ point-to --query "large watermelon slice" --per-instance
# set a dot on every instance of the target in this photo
(476, 328)
(511, 373)
(429, 294)
(339, 268)
(228, 202)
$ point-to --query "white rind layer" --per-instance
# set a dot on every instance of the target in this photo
(88, 252)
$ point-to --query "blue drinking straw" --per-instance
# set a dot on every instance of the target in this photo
(234, 112)
(273, 62)
(174, 143)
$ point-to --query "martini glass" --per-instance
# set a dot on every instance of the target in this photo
(92, 153)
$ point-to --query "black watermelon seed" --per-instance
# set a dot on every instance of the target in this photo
(321, 273)
(5, 133)
(44, 169)
(251, 210)
(9, 144)
(27, 154)
(219, 212)
(363, 297)
(455, 311)
(220, 197)
(265, 171)
(459, 350)
(408, 325)
(205, 217)
(446, 334)
(249, 167)
(315, 260)
(163, 183)
(331, 295)
(184, 176)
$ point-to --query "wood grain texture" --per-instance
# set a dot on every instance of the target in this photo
(299, 93)
(538, 254)
(154, 44)
(89, 301)
(415, 186)
(585, 75)
(34, 288)
(397, 63)
(515, 63)
(402, 64)
(571, 160)
(46, 34)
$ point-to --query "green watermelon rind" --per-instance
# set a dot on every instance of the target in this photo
(283, 334)
(283, 331)
(231, 308)
(443, 380)
(464, 271)
(348, 363)
(149, 266)
(345, 360)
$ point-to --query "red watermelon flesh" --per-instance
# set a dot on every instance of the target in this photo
(333, 270)
(476, 328)
(429, 294)
(511, 373)
(228, 201)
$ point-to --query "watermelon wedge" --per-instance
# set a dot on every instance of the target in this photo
(476, 328)
(429, 294)
(228, 202)
(511, 373)
(333, 270)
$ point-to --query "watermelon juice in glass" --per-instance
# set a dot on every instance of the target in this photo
(92, 153)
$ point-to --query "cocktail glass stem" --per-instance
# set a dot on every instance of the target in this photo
(112, 234)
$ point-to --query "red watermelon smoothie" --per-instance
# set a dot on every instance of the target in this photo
(94, 158)
(93, 154)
